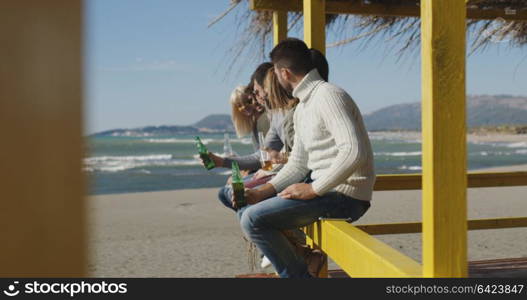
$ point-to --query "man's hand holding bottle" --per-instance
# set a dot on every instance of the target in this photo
(253, 196)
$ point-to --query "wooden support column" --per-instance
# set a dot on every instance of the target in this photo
(315, 24)
(42, 213)
(314, 239)
(444, 138)
(279, 26)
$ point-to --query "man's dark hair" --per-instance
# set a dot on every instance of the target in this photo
(260, 72)
(293, 54)
(320, 63)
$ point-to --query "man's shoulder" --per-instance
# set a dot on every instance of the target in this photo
(330, 92)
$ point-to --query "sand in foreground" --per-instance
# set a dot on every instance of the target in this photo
(189, 233)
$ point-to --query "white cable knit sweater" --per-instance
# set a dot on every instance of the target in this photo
(331, 140)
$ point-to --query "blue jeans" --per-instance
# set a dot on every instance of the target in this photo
(225, 194)
(263, 222)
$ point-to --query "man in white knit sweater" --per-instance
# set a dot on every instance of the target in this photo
(331, 141)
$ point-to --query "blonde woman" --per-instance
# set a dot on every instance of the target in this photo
(249, 118)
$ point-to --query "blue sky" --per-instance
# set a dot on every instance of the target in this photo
(156, 63)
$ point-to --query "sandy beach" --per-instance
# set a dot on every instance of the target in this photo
(189, 233)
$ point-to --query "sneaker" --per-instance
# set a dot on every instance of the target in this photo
(265, 262)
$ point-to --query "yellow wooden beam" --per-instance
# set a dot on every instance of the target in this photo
(359, 254)
(497, 223)
(279, 26)
(476, 179)
(415, 227)
(358, 8)
(391, 228)
(393, 182)
(485, 179)
(314, 240)
(444, 178)
(42, 209)
(315, 24)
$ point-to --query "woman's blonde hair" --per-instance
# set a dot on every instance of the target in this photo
(277, 95)
(242, 124)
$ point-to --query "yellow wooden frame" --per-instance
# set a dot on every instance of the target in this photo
(416, 227)
(444, 180)
(315, 24)
(443, 114)
(279, 26)
(338, 239)
(393, 182)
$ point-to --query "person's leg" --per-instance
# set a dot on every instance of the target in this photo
(263, 222)
(224, 194)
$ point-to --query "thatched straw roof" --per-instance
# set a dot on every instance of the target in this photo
(401, 34)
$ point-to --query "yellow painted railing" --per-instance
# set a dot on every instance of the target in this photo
(359, 254)
(416, 227)
(475, 179)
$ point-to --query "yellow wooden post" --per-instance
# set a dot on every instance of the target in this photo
(314, 239)
(315, 24)
(444, 138)
(315, 37)
(41, 184)
(279, 26)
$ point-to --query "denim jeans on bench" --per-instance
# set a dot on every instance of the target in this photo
(263, 222)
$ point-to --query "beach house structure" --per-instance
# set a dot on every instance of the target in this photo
(444, 179)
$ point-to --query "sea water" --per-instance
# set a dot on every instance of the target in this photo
(124, 164)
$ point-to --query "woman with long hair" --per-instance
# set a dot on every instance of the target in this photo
(250, 117)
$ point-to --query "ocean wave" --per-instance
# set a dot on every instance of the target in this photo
(493, 153)
(122, 163)
(502, 144)
(521, 151)
(129, 158)
(131, 133)
(404, 137)
(411, 168)
(244, 141)
(179, 141)
(517, 145)
(413, 153)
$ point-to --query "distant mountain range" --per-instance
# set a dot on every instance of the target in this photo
(483, 110)
(211, 124)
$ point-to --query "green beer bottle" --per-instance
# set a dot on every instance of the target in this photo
(204, 154)
(238, 188)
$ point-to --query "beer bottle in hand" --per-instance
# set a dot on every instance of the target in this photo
(204, 154)
(238, 188)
